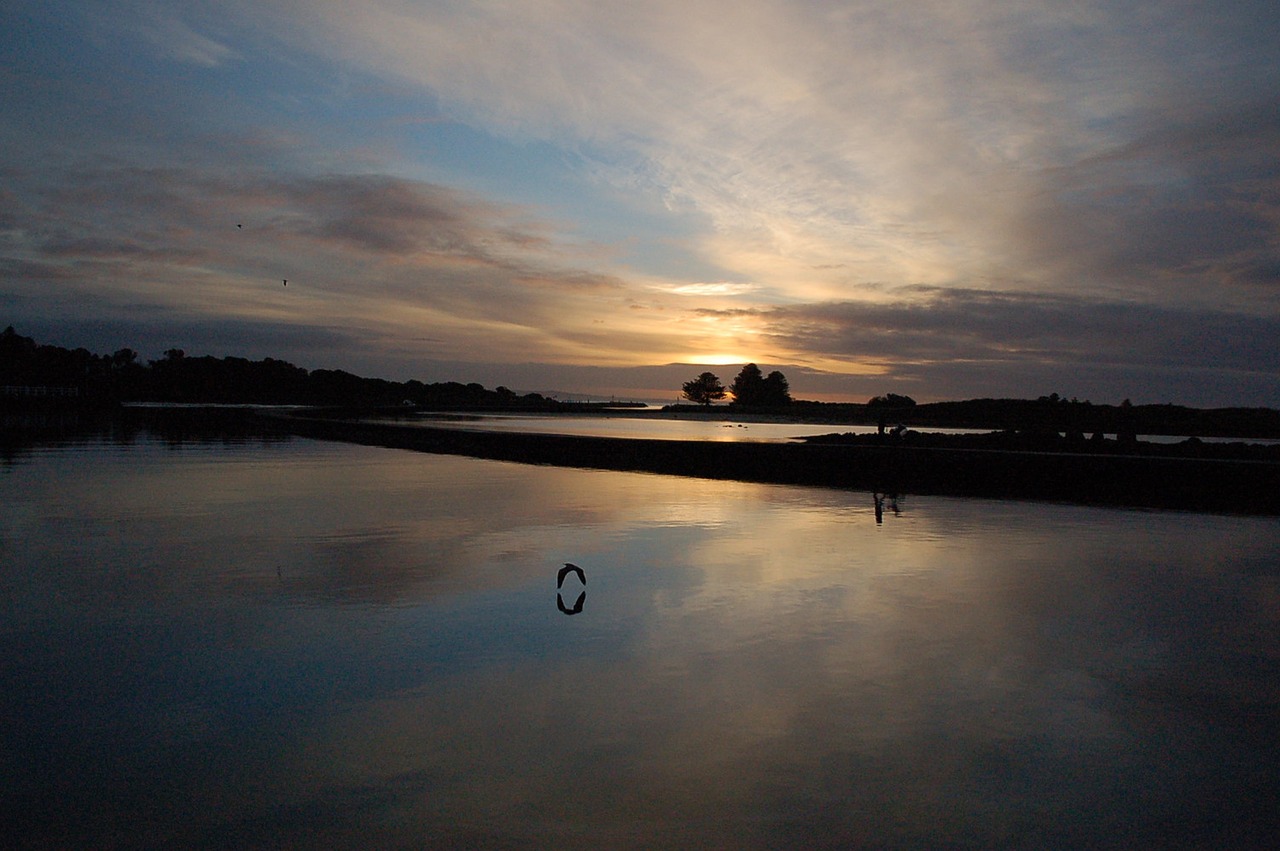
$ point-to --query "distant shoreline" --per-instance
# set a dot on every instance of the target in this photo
(1219, 478)
(36, 379)
(1243, 486)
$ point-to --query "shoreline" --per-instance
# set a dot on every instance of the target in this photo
(1224, 479)
(1233, 486)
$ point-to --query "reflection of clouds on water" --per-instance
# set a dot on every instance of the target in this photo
(937, 686)
(758, 665)
(646, 426)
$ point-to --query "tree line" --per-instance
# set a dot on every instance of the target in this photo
(82, 378)
(91, 379)
(751, 388)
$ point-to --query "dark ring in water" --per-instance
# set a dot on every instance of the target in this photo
(577, 606)
(566, 570)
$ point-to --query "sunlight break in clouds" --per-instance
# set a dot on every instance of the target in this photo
(718, 288)
(895, 145)
(627, 183)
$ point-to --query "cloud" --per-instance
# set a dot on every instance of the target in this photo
(833, 144)
(170, 31)
(382, 216)
(986, 343)
(964, 325)
(1195, 198)
(174, 39)
(392, 260)
(933, 144)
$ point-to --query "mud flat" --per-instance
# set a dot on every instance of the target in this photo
(1244, 486)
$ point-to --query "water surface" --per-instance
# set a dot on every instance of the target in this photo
(668, 426)
(312, 644)
(635, 425)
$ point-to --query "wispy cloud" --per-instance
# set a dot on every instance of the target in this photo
(387, 257)
(175, 31)
(894, 144)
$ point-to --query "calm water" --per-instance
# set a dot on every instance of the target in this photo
(696, 427)
(651, 426)
(305, 644)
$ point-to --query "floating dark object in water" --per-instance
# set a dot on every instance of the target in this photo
(582, 596)
(566, 570)
(577, 605)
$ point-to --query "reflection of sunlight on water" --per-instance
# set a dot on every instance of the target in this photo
(652, 427)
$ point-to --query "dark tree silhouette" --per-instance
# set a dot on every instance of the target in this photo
(891, 400)
(748, 386)
(704, 389)
(776, 389)
(752, 388)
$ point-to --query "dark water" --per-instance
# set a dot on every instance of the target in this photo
(303, 644)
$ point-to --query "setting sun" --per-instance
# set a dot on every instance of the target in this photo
(722, 360)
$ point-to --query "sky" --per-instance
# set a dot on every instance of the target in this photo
(945, 199)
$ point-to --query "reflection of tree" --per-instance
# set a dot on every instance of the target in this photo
(881, 499)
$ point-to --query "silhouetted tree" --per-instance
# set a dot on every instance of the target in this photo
(1126, 431)
(704, 389)
(18, 358)
(751, 387)
(747, 387)
(891, 400)
(776, 390)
